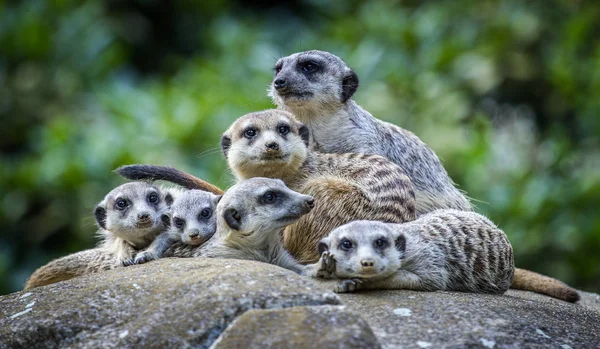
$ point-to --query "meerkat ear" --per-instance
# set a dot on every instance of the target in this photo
(232, 218)
(225, 144)
(169, 199)
(349, 85)
(401, 243)
(304, 133)
(323, 246)
(100, 213)
(166, 219)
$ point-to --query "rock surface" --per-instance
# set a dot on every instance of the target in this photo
(167, 303)
(230, 303)
(299, 327)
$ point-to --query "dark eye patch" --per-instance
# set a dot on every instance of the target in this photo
(278, 67)
(205, 213)
(283, 129)
(381, 243)
(153, 198)
(346, 244)
(309, 66)
(250, 132)
(178, 222)
(121, 204)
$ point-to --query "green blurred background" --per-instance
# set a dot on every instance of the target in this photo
(506, 92)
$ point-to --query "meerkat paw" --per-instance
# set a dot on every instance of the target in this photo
(347, 286)
(144, 257)
(326, 266)
(127, 262)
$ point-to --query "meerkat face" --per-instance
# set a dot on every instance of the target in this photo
(364, 249)
(133, 210)
(257, 206)
(312, 78)
(263, 144)
(193, 216)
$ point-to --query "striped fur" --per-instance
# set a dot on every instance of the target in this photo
(443, 250)
(346, 187)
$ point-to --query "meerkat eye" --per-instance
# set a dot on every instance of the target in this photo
(278, 68)
(250, 133)
(205, 213)
(121, 204)
(346, 244)
(381, 243)
(309, 67)
(153, 198)
(269, 197)
(178, 222)
(283, 130)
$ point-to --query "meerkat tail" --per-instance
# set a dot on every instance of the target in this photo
(530, 281)
(169, 174)
(73, 265)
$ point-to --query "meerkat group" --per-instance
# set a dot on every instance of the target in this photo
(371, 181)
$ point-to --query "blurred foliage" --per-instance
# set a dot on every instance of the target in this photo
(506, 92)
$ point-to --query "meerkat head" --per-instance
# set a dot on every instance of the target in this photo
(269, 143)
(365, 249)
(312, 80)
(255, 208)
(193, 216)
(133, 211)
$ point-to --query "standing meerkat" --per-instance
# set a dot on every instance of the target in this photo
(444, 250)
(346, 187)
(317, 87)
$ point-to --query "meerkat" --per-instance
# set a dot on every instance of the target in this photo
(444, 250)
(191, 220)
(346, 186)
(317, 87)
(130, 217)
(250, 218)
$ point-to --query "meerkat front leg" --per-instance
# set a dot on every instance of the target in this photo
(324, 268)
(401, 280)
(156, 248)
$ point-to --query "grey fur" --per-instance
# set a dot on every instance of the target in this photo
(125, 231)
(189, 209)
(443, 250)
(321, 99)
(249, 226)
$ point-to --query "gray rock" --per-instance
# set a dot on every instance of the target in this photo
(166, 303)
(191, 302)
(408, 319)
(300, 327)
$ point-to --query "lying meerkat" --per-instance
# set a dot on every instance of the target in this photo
(444, 250)
(317, 87)
(191, 220)
(129, 218)
(346, 186)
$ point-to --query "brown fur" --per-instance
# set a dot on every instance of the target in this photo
(530, 281)
(81, 263)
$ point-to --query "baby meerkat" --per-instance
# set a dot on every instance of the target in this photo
(346, 187)
(191, 220)
(130, 218)
(444, 250)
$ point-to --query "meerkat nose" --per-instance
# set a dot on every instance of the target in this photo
(193, 233)
(366, 263)
(143, 216)
(272, 146)
(280, 83)
(310, 202)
